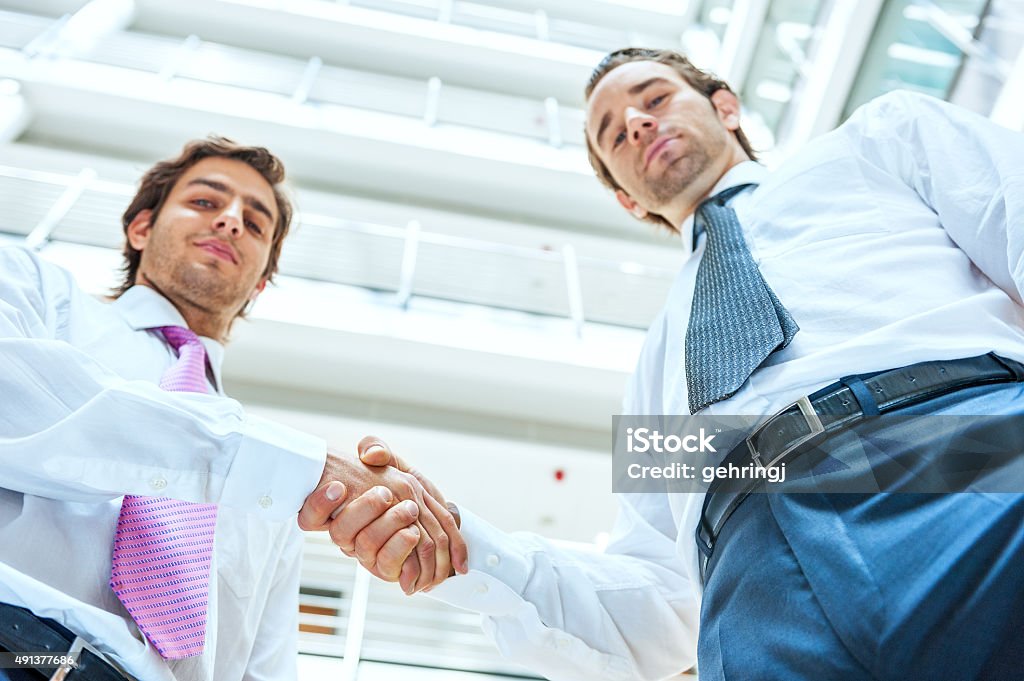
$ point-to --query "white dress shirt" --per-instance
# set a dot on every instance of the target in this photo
(83, 423)
(897, 238)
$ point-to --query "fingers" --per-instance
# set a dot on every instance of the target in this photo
(358, 514)
(457, 550)
(426, 549)
(325, 500)
(410, 572)
(396, 552)
(371, 540)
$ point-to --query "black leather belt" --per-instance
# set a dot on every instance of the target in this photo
(811, 419)
(22, 631)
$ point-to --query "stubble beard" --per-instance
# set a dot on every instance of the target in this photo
(185, 281)
(703, 149)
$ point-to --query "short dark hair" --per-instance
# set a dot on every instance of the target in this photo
(159, 180)
(703, 82)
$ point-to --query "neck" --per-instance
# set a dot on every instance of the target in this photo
(202, 321)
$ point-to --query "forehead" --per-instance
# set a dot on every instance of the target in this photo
(617, 82)
(238, 176)
(614, 88)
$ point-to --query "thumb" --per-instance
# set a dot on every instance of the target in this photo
(374, 452)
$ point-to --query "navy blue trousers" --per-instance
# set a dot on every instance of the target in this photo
(905, 586)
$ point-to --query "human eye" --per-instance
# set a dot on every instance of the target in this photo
(656, 101)
(619, 139)
(257, 230)
(202, 202)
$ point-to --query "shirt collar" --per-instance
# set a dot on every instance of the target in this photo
(143, 308)
(742, 173)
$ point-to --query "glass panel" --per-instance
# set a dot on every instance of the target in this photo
(715, 15)
(779, 58)
(1000, 36)
(910, 49)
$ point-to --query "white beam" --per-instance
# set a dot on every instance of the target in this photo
(98, 18)
(834, 64)
(740, 40)
(347, 35)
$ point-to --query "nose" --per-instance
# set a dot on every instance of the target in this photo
(230, 218)
(640, 127)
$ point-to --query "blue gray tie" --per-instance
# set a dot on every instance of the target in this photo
(736, 320)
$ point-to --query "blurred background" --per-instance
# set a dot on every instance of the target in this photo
(458, 283)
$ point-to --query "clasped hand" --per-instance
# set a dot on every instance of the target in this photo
(388, 516)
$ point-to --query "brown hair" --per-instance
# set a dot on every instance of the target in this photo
(701, 81)
(159, 180)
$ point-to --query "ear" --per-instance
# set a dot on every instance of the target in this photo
(258, 290)
(139, 229)
(631, 206)
(728, 107)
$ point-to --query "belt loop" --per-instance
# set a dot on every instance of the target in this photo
(1010, 365)
(867, 402)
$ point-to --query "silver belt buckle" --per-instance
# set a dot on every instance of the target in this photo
(78, 646)
(813, 425)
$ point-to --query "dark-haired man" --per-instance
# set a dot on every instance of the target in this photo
(880, 270)
(146, 521)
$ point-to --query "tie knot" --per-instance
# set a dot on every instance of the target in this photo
(188, 373)
(178, 336)
(711, 207)
(723, 197)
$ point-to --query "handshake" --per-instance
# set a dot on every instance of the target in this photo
(388, 516)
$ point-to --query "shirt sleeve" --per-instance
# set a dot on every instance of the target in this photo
(72, 429)
(571, 614)
(966, 168)
(274, 651)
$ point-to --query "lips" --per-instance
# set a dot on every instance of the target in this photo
(656, 147)
(219, 249)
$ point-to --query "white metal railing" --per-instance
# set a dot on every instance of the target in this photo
(534, 23)
(405, 260)
(310, 82)
(346, 613)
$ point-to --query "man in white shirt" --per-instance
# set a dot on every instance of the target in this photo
(879, 270)
(110, 408)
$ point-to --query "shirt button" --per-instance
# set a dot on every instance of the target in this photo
(481, 589)
(493, 560)
(562, 642)
(159, 482)
(266, 502)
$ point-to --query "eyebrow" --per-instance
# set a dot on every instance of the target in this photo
(634, 90)
(250, 201)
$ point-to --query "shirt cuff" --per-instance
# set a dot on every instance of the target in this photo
(274, 470)
(499, 568)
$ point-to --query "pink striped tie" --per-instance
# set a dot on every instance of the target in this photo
(163, 547)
